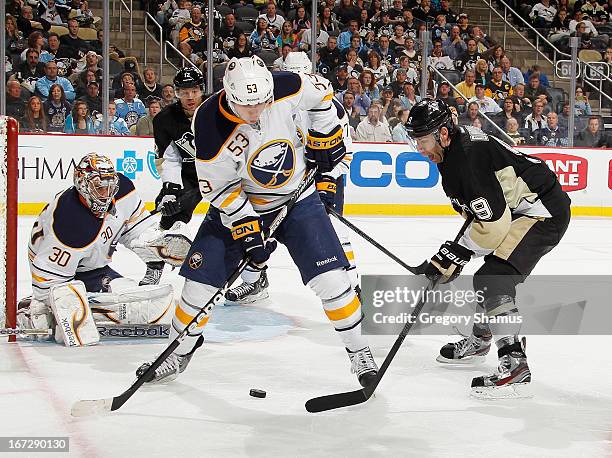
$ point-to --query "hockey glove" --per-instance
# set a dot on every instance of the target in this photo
(448, 262)
(325, 150)
(326, 187)
(167, 201)
(248, 232)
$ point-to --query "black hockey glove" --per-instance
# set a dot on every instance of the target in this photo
(325, 150)
(448, 262)
(326, 187)
(248, 232)
(167, 201)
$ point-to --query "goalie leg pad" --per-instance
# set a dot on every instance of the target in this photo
(74, 318)
(341, 305)
(130, 304)
(194, 296)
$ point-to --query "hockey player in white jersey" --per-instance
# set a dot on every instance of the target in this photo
(235, 129)
(329, 185)
(72, 243)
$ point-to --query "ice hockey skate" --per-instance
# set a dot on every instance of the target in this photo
(363, 365)
(171, 367)
(153, 273)
(511, 379)
(469, 350)
(247, 293)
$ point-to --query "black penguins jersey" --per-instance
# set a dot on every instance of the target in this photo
(174, 143)
(492, 181)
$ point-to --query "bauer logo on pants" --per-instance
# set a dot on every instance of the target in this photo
(195, 260)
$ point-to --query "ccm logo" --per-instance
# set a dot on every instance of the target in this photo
(571, 170)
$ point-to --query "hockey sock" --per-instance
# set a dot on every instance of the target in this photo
(352, 338)
(504, 318)
(250, 274)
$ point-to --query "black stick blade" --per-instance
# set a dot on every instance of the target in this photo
(335, 401)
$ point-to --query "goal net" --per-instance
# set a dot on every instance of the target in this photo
(8, 222)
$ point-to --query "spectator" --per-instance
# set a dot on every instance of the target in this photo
(340, 80)
(29, 71)
(377, 68)
(346, 12)
(301, 21)
(485, 104)
(508, 111)
(552, 135)
(368, 82)
(468, 59)
(522, 104)
(362, 101)
(512, 130)
(445, 94)
(56, 49)
(285, 51)
(399, 134)
(92, 98)
(483, 42)
(144, 126)
(353, 63)
(180, 16)
(79, 121)
(119, 83)
(306, 41)
(372, 129)
(388, 102)
(535, 89)
(130, 108)
(44, 84)
(463, 22)
(424, 12)
(56, 109)
(15, 43)
(494, 57)
(496, 87)
(116, 125)
(536, 119)
(83, 80)
(50, 13)
(192, 35)
(92, 61)
(454, 47)
(398, 40)
(75, 47)
(26, 23)
(168, 95)
(344, 39)
(582, 106)
(15, 100)
(536, 69)
(596, 12)
(542, 14)
(466, 89)
(593, 136)
(408, 96)
(398, 82)
(481, 72)
(387, 55)
(34, 119)
(275, 21)
(330, 54)
(148, 87)
(241, 48)
(262, 38)
(348, 102)
(441, 29)
(229, 32)
(98, 45)
(471, 114)
(564, 116)
(329, 23)
(559, 28)
(36, 41)
(511, 74)
(438, 59)
(287, 36)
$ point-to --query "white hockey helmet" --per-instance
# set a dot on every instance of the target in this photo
(247, 81)
(297, 62)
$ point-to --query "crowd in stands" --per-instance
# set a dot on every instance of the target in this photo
(370, 50)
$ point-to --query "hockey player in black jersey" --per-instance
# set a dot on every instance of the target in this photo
(520, 213)
(176, 154)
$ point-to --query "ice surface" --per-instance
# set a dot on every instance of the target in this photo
(420, 409)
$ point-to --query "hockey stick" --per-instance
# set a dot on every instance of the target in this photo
(418, 270)
(351, 398)
(89, 407)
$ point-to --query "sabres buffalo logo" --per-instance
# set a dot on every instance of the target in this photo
(195, 260)
(272, 165)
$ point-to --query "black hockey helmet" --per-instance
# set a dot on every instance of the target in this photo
(427, 117)
(188, 77)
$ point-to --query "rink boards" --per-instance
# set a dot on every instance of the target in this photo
(385, 178)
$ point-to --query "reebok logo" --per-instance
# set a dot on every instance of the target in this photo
(69, 333)
(326, 261)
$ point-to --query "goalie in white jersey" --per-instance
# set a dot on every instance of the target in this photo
(70, 248)
(249, 160)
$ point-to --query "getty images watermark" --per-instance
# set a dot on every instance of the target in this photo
(561, 305)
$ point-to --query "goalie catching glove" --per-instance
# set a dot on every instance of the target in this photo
(325, 151)
(326, 187)
(170, 246)
(247, 231)
(448, 262)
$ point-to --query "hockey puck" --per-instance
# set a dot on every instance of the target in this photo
(257, 393)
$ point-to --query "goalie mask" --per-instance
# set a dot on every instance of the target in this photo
(97, 183)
